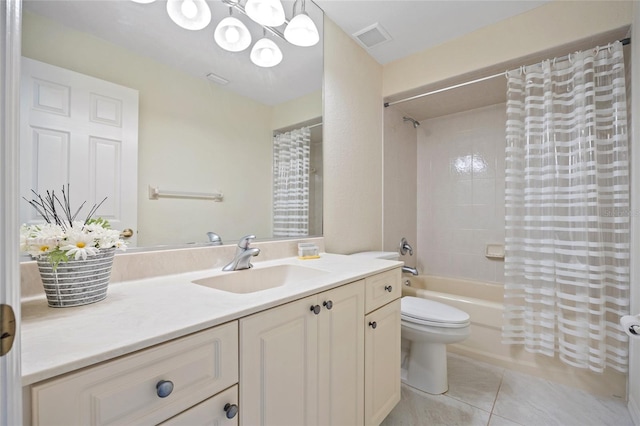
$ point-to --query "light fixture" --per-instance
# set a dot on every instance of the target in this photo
(232, 35)
(265, 12)
(189, 14)
(265, 53)
(301, 31)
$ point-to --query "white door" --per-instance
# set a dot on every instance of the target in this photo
(81, 131)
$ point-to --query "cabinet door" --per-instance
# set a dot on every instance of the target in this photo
(210, 412)
(279, 366)
(341, 351)
(382, 362)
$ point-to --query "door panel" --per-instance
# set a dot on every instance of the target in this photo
(83, 131)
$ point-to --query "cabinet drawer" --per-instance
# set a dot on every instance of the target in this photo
(381, 289)
(210, 412)
(123, 391)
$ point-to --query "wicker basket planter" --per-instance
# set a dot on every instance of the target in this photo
(77, 282)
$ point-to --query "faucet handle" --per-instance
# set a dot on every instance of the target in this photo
(245, 241)
(214, 238)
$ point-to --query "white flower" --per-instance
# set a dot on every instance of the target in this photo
(39, 239)
(58, 243)
(80, 245)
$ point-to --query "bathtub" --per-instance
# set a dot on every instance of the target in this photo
(482, 301)
(484, 304)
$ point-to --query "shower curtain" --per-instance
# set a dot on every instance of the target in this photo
(567, 209)
(291, 151)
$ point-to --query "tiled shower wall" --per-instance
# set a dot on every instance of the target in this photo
(461, 193)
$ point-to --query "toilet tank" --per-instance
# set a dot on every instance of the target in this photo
(389, 255)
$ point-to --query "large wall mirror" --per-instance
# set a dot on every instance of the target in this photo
(195, 134)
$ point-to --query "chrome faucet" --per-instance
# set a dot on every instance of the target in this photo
(244, 253)
(214, 239)
(409, 269)
(405, 247)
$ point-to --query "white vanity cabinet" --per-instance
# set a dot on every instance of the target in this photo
(314, 361)
(382, 345)
(146, 387)
(303, 363)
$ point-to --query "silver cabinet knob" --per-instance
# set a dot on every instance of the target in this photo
(164, 388)
(388, 288)
(328, 304)
(231, 410)
(315, 309)
(373, 324)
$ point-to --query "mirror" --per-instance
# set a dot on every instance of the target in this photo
(194, 134)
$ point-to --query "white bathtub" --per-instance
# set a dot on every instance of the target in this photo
(484, 304)
(482, 301)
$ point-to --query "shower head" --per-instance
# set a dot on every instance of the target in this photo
(414, 122)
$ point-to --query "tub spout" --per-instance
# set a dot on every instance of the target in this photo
(409, 269)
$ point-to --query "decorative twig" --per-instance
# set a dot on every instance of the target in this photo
(93, 210)
(46, 207)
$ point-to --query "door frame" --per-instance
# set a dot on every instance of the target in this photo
(10, 51)
(633, 380)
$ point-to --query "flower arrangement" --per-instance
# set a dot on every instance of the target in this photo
(63, 237)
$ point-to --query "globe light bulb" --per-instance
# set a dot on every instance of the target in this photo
(189, 14)
(232, 35)
(189, 9)
(266, 54)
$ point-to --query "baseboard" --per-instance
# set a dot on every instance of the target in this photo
(634, 410)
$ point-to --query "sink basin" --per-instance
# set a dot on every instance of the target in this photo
(258, 279)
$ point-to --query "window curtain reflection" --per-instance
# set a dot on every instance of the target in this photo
(567, 209)
(291, 152)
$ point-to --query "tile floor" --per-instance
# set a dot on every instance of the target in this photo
(483, 394)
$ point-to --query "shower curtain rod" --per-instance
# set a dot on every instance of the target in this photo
(624, 42)
(278, 132)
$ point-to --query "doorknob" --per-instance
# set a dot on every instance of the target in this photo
(127, 233)
(7, 328)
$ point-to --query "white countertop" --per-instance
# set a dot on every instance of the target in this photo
(138, 314)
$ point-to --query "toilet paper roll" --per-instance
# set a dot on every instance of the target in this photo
(631, 325)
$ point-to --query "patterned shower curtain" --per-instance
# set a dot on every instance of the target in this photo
(291, 151)
(567, 209)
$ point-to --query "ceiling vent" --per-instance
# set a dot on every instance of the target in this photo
(372, 36)
(217, 79)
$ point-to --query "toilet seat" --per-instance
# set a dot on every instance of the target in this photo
(430, 313)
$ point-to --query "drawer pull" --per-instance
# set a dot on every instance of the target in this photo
(315, 309)
(231, 410)
(373, 324)
(328, 304)
(164, 388)
(388, 288)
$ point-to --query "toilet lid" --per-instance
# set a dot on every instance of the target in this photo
(424, 311)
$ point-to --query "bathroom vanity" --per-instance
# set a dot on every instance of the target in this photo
(322, 348)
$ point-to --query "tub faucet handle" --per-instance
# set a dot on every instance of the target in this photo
(405, 247)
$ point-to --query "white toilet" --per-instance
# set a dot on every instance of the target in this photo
(427, 327)
(430, 326)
